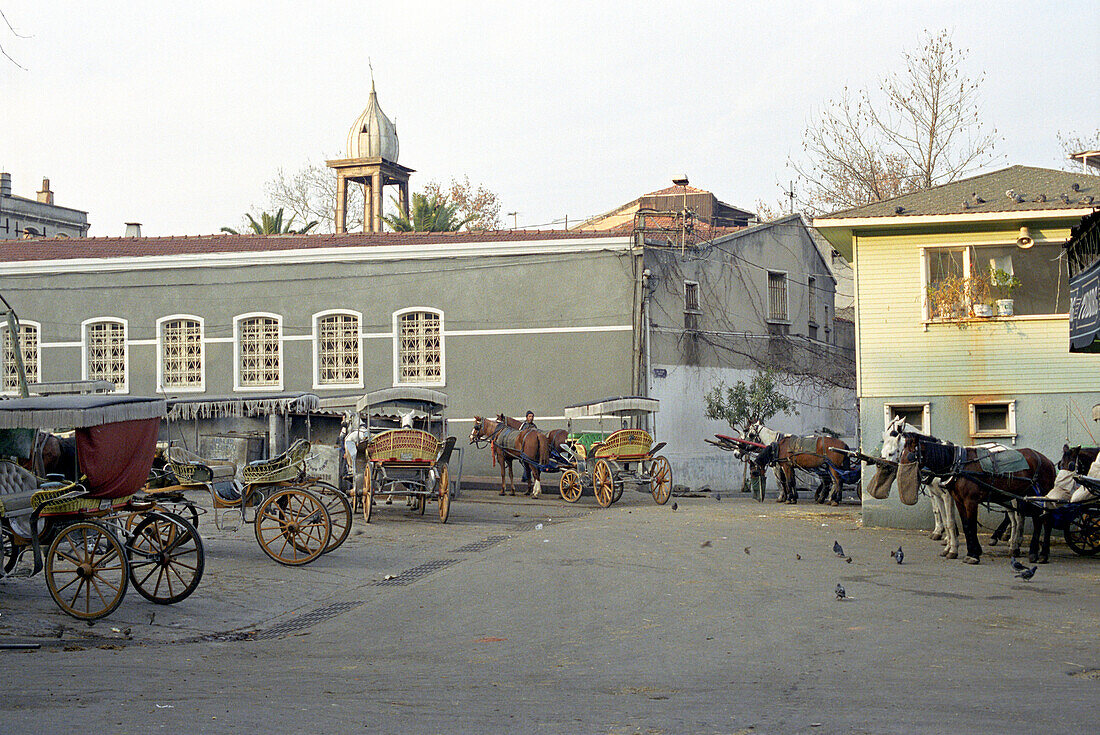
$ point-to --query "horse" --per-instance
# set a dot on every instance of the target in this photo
(507, 445)
(556, 437)
(807, 453)
(969, 486)
(53, 455)
(1075, 461)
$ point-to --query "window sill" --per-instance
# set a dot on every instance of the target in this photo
(785, 322)
(174, 389)
(1013, 318)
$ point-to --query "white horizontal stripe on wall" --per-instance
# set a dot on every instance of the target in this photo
(543, 418)
(536, 330)
(142, 342)
(43, 345)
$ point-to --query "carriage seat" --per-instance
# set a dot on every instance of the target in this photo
(285, 466)
(624, 444)
(17, 487)
(191, 469)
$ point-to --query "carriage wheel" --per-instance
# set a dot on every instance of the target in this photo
(86, 570)
(570, 486)
(367, 496)
(339, 512)
(1083, 532)
(421, 504)
(603, 483)
(292, 526)
(166, 558)
(660, 479)
(444, 491)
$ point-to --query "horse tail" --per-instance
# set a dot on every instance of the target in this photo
(544, 449)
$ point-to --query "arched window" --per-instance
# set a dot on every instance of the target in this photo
(105, 355)
(418, 347)
(180, 351)
(258, 345)
(28, 341)
(337, 352)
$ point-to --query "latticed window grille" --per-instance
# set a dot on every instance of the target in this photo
(338, 349)
(777, 296)
(28, 340)
(181, 351)
(420, 359)
(258, 340)
(106, 343)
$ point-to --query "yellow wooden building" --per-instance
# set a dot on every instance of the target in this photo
(962, 306)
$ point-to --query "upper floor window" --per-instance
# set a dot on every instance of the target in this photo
(259, 351)
(811, 300)
(419, 347)
(105, 355)
(28, 342)
(777, 297)
(691, 296)
(995, 280)
(338, 353)
(181, 353)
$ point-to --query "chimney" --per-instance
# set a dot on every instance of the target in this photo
(681, 180)
(5, 184)
(45, 196)
(133, 229)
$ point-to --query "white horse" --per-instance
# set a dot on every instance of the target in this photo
(356, 431)
(946, 527)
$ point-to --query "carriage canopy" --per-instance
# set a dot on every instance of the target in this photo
(619, 406)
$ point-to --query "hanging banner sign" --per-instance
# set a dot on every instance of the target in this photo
(1084, 310)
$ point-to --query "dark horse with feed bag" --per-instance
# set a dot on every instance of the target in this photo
(976, 475)
(507, 445)
(825, 456)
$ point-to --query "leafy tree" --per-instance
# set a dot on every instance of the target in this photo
(922, 130)
(478, 207)
(428, 213)
(741, 405)
(272, 225)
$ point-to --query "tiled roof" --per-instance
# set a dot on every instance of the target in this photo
(1014, 189)
(133, 247)
(676, 189)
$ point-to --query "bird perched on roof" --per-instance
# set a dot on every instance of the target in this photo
(898, 555)
(1065, 198)
(838, 549)
(840, 593)
(978, 199)
(1019, 198)
(1026, 574)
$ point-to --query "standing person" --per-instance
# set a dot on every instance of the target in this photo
(528, 423)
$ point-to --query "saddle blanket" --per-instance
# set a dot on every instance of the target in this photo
(803, 445)
(996, 459)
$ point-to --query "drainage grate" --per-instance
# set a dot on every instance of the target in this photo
(480, 545)
(308, 620)
(411, 575)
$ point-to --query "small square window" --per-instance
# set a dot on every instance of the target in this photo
(993, 419)
(915, 414)
(691, 296)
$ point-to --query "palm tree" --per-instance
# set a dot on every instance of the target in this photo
(272, 225)
(428, 214)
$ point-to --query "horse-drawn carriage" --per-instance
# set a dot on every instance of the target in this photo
(97, 532)
(405, 450)
(608, 463)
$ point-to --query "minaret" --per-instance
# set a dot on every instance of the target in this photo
(372, 162)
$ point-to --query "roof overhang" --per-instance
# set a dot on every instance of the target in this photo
(838, 231)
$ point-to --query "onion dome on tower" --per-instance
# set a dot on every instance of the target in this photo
(373, 135)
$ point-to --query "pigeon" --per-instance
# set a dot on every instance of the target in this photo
(898, 555)
(838, 549)
(1065, 198)
(978, 199)
(798, 557)
(746, 550)
(674, 506)
(1017, 566)
(718, 497)
(704, 545)
(1026, 574)
(840, 593)
(127, 632)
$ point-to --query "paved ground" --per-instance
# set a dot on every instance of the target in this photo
(632, 619)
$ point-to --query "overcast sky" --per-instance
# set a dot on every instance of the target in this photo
(175, 114)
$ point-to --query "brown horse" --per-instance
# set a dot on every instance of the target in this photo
(970, 486)
(556, 437)
(508, 444)
(53, 455)
(787, 452)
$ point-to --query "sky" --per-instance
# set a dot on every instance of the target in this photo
(176, 114)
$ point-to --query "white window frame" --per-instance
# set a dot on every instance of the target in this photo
(888, 413)
(786, 294)
(1010, 430)
(237, 353)
(317, 384)
(811, 300)
(125, 387)
(37, 355)
(697, 309)
(201, 386)
(397, 347)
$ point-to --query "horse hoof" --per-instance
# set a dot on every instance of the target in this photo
(833, 503)
(944, 552)
(502, 492)
(972, 560)
(1032, 558)
(953, 555)
(1044, 560)
(513, 493)
(936, 536)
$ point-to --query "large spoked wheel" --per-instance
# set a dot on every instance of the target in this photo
(367, 497)
(166, 558)
(339, 512)
(1083, 532)
(570, 486)
(443, 491)
(603, 483)
(421, 504)
(660, 478)
(292, 526)
(86, 570)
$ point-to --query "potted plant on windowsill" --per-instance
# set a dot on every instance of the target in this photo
(947, 298)
(979, 287)
(1003, 284)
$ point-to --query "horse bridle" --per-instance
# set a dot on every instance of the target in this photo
(480, 441)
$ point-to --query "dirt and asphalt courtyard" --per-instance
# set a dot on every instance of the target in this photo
(536, 616)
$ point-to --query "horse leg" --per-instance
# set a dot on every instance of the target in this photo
(792, 487)
(950, 523)
(778, 471)
(999, 532)
(838, 489)
(502, 489)
(537, 489)
(968, 514)
(1016, 532)
(938, 528)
